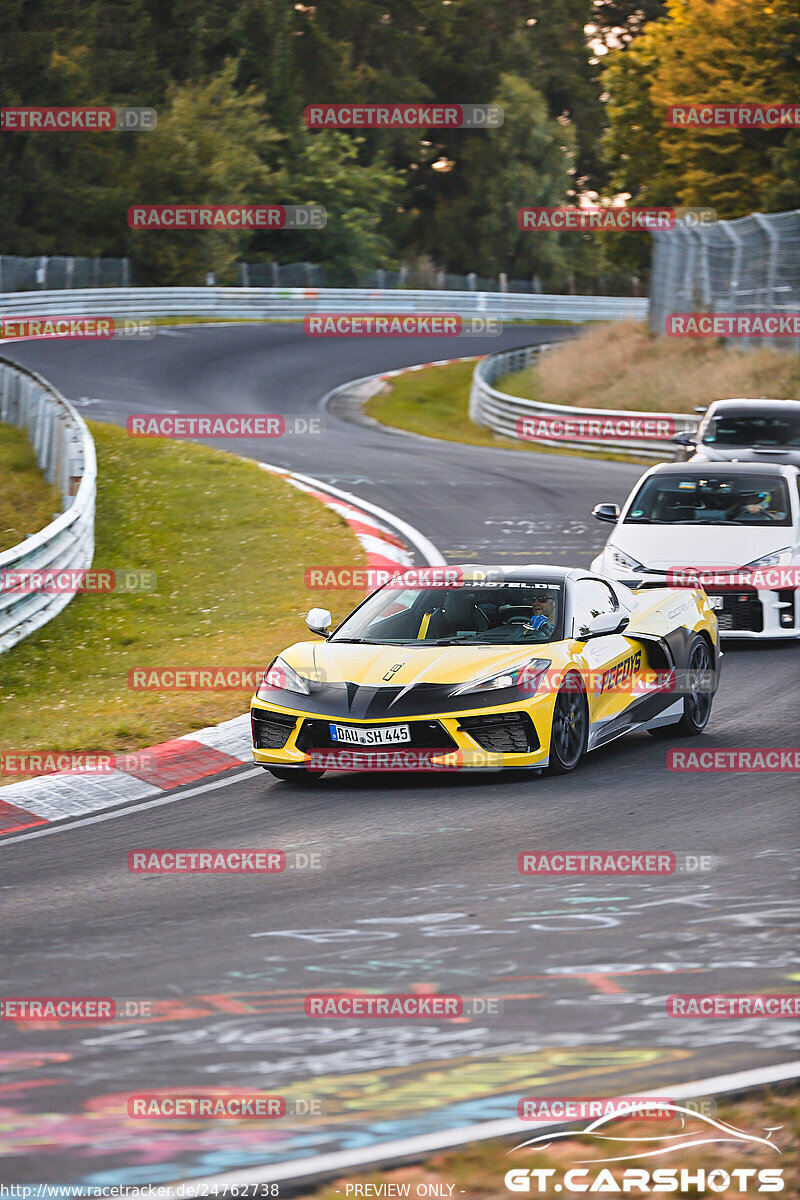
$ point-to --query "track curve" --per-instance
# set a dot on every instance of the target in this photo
(420, 888)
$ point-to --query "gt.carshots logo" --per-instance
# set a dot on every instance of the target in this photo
(390, 115)
(698, 1128)
(333, 324)
(676, 1180)
(400, 1005)
(77, 120)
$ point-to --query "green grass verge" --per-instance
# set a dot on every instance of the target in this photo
(435, 403)
(228, 544)
(27, 501)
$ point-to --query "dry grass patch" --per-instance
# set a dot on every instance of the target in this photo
(622, 365)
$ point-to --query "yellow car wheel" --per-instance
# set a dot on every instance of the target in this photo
(570, 727)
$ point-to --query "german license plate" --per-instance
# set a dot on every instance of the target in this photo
(374, 735)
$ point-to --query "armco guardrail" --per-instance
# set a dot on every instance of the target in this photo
(500, 412)
(276, 303)
(65, 452)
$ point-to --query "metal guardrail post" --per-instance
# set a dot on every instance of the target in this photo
(501, 412)
(292, 302)
(772, 261)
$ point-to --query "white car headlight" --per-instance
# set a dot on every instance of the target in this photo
(777, 559)
(280, 677)
(620, 559)
(528, 676)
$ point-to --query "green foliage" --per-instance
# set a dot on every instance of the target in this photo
(210, 147)
(230, 83)
(730, 52)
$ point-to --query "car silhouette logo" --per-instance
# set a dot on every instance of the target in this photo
(669, 1142)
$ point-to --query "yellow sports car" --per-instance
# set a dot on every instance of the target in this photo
(465, 667)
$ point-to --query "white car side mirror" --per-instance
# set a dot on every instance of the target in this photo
(319, 620)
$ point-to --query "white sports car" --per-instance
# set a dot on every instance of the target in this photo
(732, 527)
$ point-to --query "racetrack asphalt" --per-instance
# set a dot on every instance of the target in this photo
(419, 889)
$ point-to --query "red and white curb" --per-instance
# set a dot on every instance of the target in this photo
(440, 362)
(384, 549)
(389, 543)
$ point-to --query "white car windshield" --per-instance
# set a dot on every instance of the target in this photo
(492, 614)
(773, 431)
(711, 499)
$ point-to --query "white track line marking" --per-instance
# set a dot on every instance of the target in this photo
(419, 1147)
(62, 827)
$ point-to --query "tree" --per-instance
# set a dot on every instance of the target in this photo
(619, 22)
(324, 168)
(211, 146)
(729, 52)
(527, 161)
